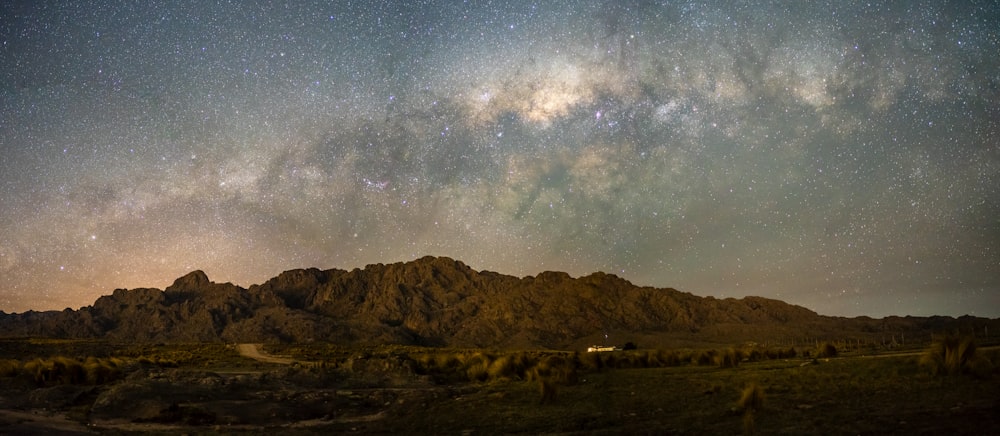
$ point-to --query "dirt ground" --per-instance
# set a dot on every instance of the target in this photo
(256, 392)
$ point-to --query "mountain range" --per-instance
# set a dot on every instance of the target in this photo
(437, 301)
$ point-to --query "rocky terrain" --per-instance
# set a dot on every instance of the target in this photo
(437, 301)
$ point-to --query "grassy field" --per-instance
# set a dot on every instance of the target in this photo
(951, 387)
(841, 396)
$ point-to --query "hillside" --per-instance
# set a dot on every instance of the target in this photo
(437, 301)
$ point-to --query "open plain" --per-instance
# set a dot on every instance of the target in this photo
(77, 386)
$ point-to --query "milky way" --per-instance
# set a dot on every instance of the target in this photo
(843, 156)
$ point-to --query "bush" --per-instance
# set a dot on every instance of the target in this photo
(728, 359)
(633, 359)
(438, 363)
(68, 371)
(556, 368)
(827, 350)
(64, 370)
(510, 366)
(547, 389)
(9, 368)
(704, 358)
(100, 371)
(952, 355)
(665, 358)
(751, 399)
(750, 402)
(478, 370)
(38, 371)
(590, 361)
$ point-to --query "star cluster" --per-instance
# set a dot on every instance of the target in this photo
(843, 156)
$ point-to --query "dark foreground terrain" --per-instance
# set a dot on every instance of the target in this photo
(67, 387)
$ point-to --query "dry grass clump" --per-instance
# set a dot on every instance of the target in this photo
(635, 359)
(590, 361)
(826, 350)
(664, 358)
(552, 371)
(556, 368)
(510, 366)
(9, 367)
(704, 357)
(438, 363)
(477, 366)
(750, 402)
(729, 358)
(100, 371)
(778, 353)
(756, 353)
(62, 370)
(953, 355)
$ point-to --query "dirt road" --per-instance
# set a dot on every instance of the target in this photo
(253, 351)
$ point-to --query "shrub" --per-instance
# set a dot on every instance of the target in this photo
(449, 361)
(952, 355)
(547, 389)
(663, 358)
(510, 366)
(68, 371)
(826, 349)
(9, 367)
(703, 358)
(633, 359)
(556, 368)
(100, 371)
(751, 399)
(750, 402)
(552, 371)
(779, 353)
(38, 371)
(728, 359)
(477, 367)
(610, 359)
(590, 361)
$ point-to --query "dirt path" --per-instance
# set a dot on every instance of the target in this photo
(253, 351)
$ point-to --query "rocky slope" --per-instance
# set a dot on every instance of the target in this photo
(438, 301)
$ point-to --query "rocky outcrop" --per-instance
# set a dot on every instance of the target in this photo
(438, 301)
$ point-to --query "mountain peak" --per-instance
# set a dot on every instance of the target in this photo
(439, 301)
(193, 280)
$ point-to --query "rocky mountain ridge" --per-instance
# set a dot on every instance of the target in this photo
(437, 301)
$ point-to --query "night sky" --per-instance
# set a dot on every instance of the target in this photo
(843, 155)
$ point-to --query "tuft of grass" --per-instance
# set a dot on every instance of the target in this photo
(68, 371)
(101, 371)
(551, 371)
(61, 370)
(729, 358)
(477, 366)
(9, 367)
(664, 358)
(38, 371)
(826, 350)
(953, 355)
(547, 389)
(558, 369)
(750, 402)
(704, 357)
(590, 361)
(751, 399)
(510, 366)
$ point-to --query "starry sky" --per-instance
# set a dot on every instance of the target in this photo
(842, 155)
